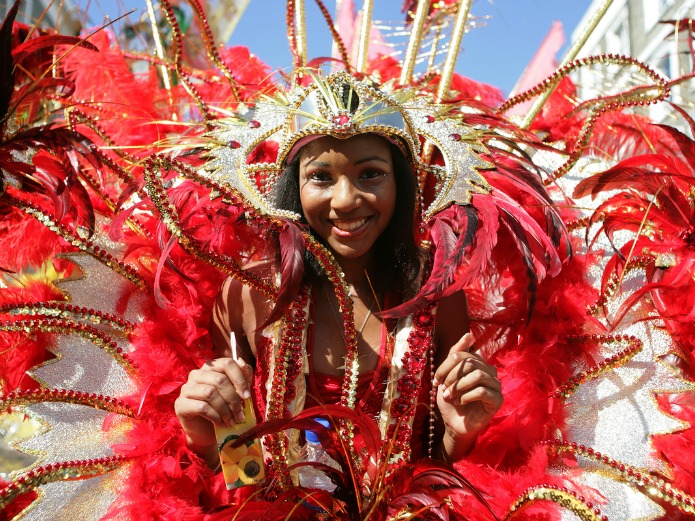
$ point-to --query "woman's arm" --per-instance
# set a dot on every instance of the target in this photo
(468, 391)
(214, 393)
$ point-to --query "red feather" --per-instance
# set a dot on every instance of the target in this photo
(632, 172)
(292, 248)
(449, 255)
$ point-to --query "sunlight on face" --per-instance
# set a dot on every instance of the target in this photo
(347, 190)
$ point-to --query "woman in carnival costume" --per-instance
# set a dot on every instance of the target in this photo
(356, 192)
(343, 219)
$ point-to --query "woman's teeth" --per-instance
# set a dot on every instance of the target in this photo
(349, 226)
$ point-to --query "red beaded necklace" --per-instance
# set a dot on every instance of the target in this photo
(284, 349)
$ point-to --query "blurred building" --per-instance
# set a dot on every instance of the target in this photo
(645, 30)
(63, 16)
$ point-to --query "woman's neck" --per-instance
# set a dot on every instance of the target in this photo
(357, 274)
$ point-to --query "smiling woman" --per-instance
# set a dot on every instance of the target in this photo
(355, 189)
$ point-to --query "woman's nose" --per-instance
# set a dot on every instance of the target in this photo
(346, 195)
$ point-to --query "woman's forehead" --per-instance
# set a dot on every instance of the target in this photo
(359, 143)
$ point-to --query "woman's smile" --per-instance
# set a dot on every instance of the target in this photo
(350, 228)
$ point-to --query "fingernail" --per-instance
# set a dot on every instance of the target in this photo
(241, 417)
(246, 394)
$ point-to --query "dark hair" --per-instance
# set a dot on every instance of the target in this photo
(397, 256)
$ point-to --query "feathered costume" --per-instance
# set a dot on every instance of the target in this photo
(122, 214)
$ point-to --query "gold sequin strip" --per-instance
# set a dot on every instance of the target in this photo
(67, 311)
(64, 471)
(633, 346)
(651, 483)
(177, 46)
(348, 394)
(68, 327)
(642, 95)
(169, 215)
(636, 263)
(562, 496)
(34, 396)
(211, 48)
(76, 117)
(78, 242)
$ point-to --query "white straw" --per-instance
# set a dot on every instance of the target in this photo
(232, 343)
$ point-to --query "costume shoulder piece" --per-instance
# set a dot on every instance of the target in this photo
(127, 198)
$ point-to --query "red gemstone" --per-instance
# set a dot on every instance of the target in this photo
(429, 118)
(341, 120)
(233, 144)
(455, 136)
(254, 124)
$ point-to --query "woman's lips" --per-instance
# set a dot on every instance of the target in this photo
(349, 228)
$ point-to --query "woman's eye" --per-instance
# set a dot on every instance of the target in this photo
(319, 176)
(372, 174)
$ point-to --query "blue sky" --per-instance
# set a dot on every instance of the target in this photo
(495, 54)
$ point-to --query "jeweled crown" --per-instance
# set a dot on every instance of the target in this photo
(343, 106)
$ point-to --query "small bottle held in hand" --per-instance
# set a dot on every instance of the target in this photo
(241, 465)
(313, 452)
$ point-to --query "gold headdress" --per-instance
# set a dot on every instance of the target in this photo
(343, 106)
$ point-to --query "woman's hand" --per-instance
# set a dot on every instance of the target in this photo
(214, 393)
(468, 396)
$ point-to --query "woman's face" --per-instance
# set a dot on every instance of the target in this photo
(347, 189)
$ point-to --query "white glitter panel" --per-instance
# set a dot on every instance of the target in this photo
(83, 500)
(620, 406)
(101, 289)
(73, 432)
(622, 501)
(83, 366)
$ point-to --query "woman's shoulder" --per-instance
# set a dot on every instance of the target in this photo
(234, 290)
(240, 308)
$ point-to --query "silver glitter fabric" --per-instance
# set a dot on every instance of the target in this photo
(81, 500)
(616, 413)
(73, 432)
(100, 288)
(74, 369)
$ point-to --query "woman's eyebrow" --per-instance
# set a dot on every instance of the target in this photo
(324, 164)
(371, 158)
(320, 164)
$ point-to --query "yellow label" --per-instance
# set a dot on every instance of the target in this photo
(242, 465)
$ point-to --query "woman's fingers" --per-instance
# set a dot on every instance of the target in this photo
(478, 378)
(465, 366)
(238, 372)
(214, 390)
(217, 391)
(457, 353)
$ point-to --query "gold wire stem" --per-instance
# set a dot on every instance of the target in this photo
(435, 48)
(570, 55)
(365, 30)
(423, 9)
(158, 47)
(300, 32)
(452, 54)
